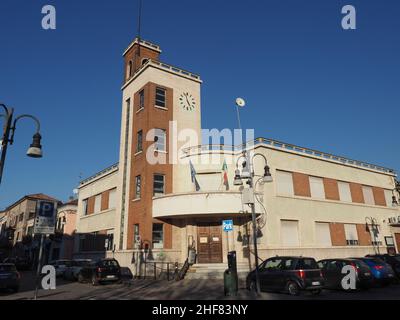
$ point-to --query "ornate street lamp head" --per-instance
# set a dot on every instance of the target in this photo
(35, 149)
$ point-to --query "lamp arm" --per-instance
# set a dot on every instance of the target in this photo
(20, 117)
(5, 109)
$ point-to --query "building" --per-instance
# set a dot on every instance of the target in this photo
(318, 204)
(19, 225)
(63, 245)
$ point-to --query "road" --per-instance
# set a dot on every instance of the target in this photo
(176, 290)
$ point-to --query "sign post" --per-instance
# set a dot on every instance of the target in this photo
(227, 226)
(45, 222)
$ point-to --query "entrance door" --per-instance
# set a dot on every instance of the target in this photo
(209, 243)
(397, 237)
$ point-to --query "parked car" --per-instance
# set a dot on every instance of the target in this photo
(61, 266)
(9, 277)
(332, 272)
(381, 271)
(288, 274)
(71, 272)
(392, 260)
(21, 263)
(104, 270)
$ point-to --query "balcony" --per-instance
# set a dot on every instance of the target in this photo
(201, 204)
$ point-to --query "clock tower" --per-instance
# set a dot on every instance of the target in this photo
(159, 101)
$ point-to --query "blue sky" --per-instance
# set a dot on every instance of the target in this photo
(306, 80)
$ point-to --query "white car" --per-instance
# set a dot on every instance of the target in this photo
(61, 266)
(71, 273)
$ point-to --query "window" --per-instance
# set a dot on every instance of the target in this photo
(138, 186)
(129, 70)
(159, 139)
(284, 183)
(388, 197)
(97, 203)
(29, 231)
(344, 191)
(139, 145)
(141, 99)
(160, 97)
(317, 188)
(85, 207)
(273, 264)
(351, 234)
(323, 234)
(31, 215)
(21, 217)
(158, 184)
(290, 233)
(368, 195)
(112, 198)
(109, 241)
(158, 235)
(136, 236)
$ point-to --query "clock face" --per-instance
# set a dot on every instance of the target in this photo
(187, 101)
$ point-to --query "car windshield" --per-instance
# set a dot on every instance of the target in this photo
(306, 264)
(80, 263)
(109, 263)
(63, 263)
(7, 268)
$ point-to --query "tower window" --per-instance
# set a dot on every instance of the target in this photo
(141, 99)
(138, 186)
(159, 139)
(129, 70)
(139, 145)
(158, 184)
(160, 97)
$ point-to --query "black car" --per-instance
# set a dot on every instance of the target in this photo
(288, 274)
(392, 260)
(21, 263)
(105, 270)
(332, 272)
(9, 277)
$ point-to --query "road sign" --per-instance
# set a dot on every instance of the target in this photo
(46, 215)
(227, 225)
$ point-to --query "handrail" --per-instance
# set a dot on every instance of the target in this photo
(289, 147)
(110, 168)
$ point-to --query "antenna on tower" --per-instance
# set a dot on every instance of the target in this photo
(139, 25)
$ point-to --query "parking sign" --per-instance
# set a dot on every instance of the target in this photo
(45, 220)
(227, 225)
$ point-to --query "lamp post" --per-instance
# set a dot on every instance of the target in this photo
(34, 150)
(370, 221)
(248, 174)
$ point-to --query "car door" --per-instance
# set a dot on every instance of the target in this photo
(331, 274)
(271, 272)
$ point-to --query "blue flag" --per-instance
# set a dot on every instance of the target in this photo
(193, 176)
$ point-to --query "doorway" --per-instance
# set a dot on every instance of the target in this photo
(209, 243)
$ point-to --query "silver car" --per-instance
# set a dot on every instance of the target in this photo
(61, 266)
(71, 272)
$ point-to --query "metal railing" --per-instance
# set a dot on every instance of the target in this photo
(158, 270)
(289, 147)
(100, 173)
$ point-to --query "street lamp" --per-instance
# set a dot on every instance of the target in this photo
(248, 174)
(370, 221)
(34, 150)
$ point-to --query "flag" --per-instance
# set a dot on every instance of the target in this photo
(225, 175)
(193, 176)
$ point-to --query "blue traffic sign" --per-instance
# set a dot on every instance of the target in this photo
(227, 225)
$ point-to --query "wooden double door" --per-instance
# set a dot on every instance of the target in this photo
(209, 243)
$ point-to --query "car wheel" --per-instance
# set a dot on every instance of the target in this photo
(293, 288)
(80, 278)
(253, 286)
(95, 282)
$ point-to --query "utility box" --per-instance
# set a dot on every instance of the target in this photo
(248, 196)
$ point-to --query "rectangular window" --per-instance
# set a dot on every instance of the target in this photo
(136, 236)
(21, 217)
(344, 191)
(97, 203)
(160, 139)
(158, 235)
(139, 144)
(160, 97)
(323, 234)
(317, 188)
(138, 187)
(290, 233)
(388, 197)
(112, 198)
(368, 195)
(284, 183)
(141, 100)
(29, 231)
(85, 207)
(351, 234)
(158, 184)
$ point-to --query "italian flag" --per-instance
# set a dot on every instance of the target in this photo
(225, 177)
